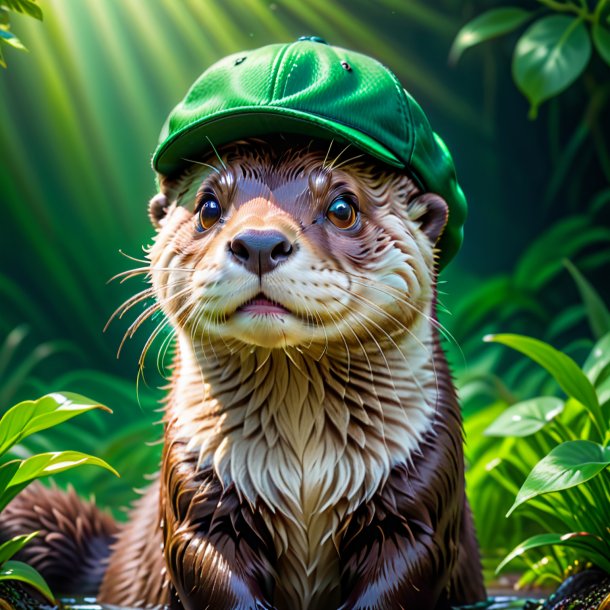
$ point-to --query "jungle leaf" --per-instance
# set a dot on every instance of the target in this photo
(17, 570)
(491, 24)
(563, 369)
(596, 366)
(9, 38)
(29, 7)
(31, 416)
(14, 545)
(7, 471)
(599, 316)
(44, 465)
(527, 417)
(593, 546)
(549, 56)
(601, 39)
(54, 462)
(543, 259)
(567, 465)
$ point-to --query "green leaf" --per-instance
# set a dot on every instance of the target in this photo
(17, 570)
(29, 7)
(592, 547)
(486, 26)
(527, 417)
(7, 471)
(46, 464)
(33, 416)
(564, 370)
(14, 545)
(567, 465)
(601, 39)
(567, 238)
(9, 38)
(599, 316)
(550, 56)
(596, 365)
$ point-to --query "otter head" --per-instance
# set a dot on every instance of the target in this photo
(277, 244)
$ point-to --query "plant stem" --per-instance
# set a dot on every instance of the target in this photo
(564, 431)
(560, 7)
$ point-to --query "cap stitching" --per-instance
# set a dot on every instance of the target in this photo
(294, 65)
(274, 72)
(403, 111)
(277, 67)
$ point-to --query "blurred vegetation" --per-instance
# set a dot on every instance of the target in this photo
(79, 118)
(7, 38)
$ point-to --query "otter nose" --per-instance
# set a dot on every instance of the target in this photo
(260, 251)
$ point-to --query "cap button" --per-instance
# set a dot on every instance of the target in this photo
(312, 39)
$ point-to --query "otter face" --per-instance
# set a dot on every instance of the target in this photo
(274, 245)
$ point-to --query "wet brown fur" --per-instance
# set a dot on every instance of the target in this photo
(212, 534)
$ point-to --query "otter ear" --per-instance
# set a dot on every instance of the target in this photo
(432, 212)
(157, 209)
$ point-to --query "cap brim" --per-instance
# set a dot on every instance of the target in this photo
(179, 150)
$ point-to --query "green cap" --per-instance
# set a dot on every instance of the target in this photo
(311, 88)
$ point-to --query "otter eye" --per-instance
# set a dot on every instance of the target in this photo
(209, 213)
(342, 212)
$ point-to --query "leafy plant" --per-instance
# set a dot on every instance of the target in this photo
(552, 52)
(29, 7)
(567, 491)
(528, 300)
(508, 431)
(19, 422)
(132, 447)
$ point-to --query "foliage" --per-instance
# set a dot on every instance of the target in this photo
(131, 446)
(21, 421)
(534, 299)
(29, 7)
(564, 456)
(508, 432)
(553, 52)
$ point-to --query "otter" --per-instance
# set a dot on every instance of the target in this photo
(312, 450)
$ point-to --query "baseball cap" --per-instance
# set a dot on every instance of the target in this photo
(311, 88)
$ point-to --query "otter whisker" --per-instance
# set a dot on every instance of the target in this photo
(128, 304)
(215, 169)
(145, 315)
(332, 164)
(133, 258)
(379, 348)
(327, 153)
(162, 353)
(381, 329)
(401, 299)
(362, 349)
(224, 165)
(122, 309)
(355, 158)
(155, 333)
(347, 352)
(129, 273)
(400, 325)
